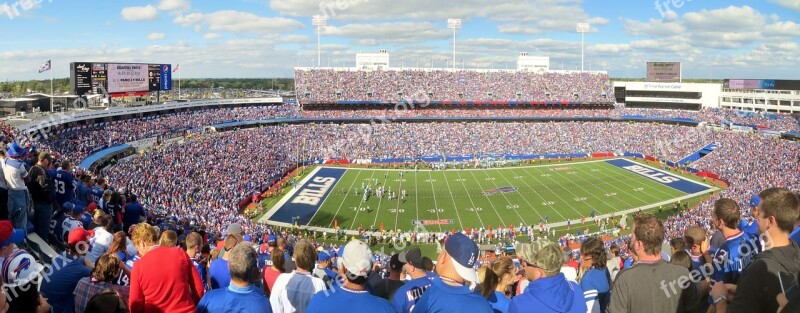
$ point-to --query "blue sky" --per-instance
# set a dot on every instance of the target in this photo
(249, 38)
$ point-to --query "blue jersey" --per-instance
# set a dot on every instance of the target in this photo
(56, 226)
(64, 186)
(596, 285)
(441, 297)
(408, 294)
(732, 257)
(96, 194)
(82, 193)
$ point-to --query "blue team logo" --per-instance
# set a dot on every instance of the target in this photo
(499, 190)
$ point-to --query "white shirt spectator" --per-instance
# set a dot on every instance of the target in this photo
(99, 244)
(15, 172)
(570, 273)
(68, 225)
(292, 292)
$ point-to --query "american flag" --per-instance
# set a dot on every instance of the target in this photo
(176, 68)
(44, 66)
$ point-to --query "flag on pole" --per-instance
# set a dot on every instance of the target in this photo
(176, 68)
(44, 66)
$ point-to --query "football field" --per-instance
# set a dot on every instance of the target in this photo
(461, 198)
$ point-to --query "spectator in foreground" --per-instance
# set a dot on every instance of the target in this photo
(759, 285)
(241, 295)
(41, 189)
(169, 238)
(353, 295)
(67, 271)
(194, 243)
(387, 287)
(272, 271)
(614, 264)
(570, 273)
(456, 268)
(164, 279)
(495, 286)
(596, 280)
(21, 283)
(107, 301)
(103, 237)
(16, 175)
(219, 275)
(645, 285)
(105, 273)
(292, 291)
(548, 290)
(407, 295)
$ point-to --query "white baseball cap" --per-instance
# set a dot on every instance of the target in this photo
(357, 258)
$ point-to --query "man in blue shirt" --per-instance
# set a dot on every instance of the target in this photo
(64, 184)
(134, 212)
(548, 290)
(407, 295)
(241, 295)
(456, 268)
(737, 251)
(219, 275)
(352, 296)
(67, 269)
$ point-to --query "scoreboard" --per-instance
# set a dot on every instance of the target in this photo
(118, 79)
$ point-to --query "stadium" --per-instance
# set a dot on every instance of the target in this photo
(483, 180)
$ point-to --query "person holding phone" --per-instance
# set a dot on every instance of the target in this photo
(761, 282)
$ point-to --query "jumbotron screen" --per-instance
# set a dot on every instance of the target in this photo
(119, 78)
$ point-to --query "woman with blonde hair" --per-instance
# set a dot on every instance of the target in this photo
(495, 285)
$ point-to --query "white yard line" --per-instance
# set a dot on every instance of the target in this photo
(342, 203)
(530, 205)
(490, 201)
(473, 202)
(504, 196)
(360, 203)
(555, 193)
(430, 180)
(452, 197)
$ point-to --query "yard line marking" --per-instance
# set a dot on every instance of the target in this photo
(380, 200)
(553, 192)
(430, 180)
(523, 197)
(490, 201)
(506, 197)
(591, 194)
(355, 217)
(349, 189)
(455, 207)
(473, 202)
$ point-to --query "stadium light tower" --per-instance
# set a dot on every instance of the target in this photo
(582, 28)
(319, 21)
(454, 23)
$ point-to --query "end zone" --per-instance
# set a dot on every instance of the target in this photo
(665, 178)
(307, 198)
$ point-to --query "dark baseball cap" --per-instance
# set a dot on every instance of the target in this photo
(413, 256)
(395, 263)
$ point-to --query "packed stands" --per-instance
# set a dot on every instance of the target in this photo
(330, 86)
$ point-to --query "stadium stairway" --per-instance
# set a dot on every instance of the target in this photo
(697, 155)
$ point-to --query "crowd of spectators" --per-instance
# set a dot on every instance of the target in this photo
(330, 86)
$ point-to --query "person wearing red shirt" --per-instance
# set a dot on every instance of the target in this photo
(271, 272)
(164, 279)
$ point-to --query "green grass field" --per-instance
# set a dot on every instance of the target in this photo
(566, 191)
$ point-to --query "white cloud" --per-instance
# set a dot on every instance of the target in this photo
(390, 32)
(237, 22)
(174, 5)
(789, 4)
(155, 36)
(212, 36)
(729, 19)
(145, 13)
